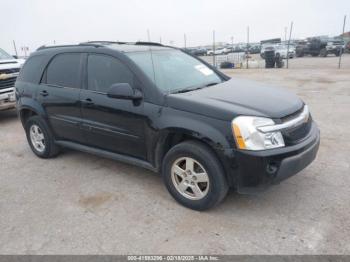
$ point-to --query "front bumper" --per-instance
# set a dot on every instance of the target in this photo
(256, 170)
(7, 99)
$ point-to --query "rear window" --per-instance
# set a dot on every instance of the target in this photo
(32, 70)
(64, 70)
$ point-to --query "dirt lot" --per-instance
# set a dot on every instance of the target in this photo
(83, 204)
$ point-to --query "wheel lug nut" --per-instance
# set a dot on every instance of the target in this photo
(192, 183)
(194, 178)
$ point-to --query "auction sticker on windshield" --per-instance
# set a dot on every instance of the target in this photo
(204, 70)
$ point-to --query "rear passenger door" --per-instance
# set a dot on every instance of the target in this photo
(59, 94)
(111, 124)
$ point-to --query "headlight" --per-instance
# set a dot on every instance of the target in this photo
(248, 137)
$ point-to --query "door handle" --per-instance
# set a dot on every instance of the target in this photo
(44, 93)
(88, 101)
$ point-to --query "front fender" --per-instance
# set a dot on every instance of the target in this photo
(215, 133)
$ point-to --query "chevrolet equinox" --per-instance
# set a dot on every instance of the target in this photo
(163, 109)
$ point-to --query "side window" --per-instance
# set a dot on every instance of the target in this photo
(32, 69)
(64, 70)
(103, 71)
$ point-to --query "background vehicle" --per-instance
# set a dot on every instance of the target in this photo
(280, 50)
(319, 46)
(348, 47)
(335, 46)
(219, 51)
(268, 43)
(9, 69)
(196, 51)
(159, 108)
(254, 49)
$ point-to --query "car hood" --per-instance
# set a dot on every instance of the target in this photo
(11, 63)
(237, 97)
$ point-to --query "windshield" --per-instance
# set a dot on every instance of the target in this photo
(4, 55)
(173, 70)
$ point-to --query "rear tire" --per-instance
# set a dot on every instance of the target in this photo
(40, 138)
(183, 182)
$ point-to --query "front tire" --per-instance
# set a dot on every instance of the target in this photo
(194, 176)
(40, 138)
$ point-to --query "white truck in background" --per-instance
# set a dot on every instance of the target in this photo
(9, 70)
(281, 49)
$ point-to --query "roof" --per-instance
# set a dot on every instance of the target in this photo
(119, 46)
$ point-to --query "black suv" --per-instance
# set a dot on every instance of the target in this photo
(162, 109)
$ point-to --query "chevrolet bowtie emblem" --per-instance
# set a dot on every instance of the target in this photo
(4, 76)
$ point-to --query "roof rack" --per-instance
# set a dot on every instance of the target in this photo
(58, 46)
(103, 43)
(148, 43)
(123, 43)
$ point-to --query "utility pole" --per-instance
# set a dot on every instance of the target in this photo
(247, 52)
(213, 47)
(185, 41)
(148, 35)
(290, 36)
(341, 49)
(232, 42)
(285, 33)
(14, 46)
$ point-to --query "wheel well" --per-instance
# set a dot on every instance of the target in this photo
(25, 114)
(173, 139)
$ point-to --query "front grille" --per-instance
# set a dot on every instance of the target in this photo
(294, 135)
(9, 71)
(291, 116)
(7, 83)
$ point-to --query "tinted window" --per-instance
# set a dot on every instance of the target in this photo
(103, 71)
(144, 61)
(175, 70)
(32, 70)
(64, 70)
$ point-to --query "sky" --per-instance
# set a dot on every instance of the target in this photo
(33, 23)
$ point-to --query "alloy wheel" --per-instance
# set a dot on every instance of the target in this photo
(190, 178)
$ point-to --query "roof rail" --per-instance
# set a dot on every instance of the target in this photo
(58, 46)
(103, 42)
(148, 43)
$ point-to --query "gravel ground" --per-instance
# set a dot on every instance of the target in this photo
(82, 204)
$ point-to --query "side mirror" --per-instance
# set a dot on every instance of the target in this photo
(15, 57)
(124, 91)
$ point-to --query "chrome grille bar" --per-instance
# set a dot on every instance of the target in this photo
(301, 118)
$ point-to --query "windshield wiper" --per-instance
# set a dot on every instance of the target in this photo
(187, 90)
(212, 84)
(195, 88)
